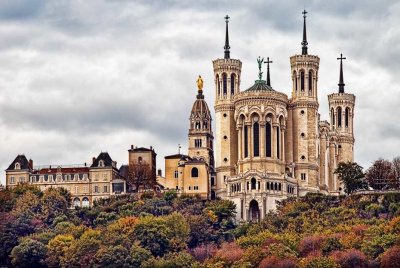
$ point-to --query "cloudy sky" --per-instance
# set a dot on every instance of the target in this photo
(81, 77)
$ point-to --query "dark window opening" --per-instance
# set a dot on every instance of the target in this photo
(253, 183)
(268, 140)
(256, 139)
(346, 119)
(232, 84)
(310, 80)
(195, 172)
(277, 143)
(339, 116)
(302, 80)
(224, 83)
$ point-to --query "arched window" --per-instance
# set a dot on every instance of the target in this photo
(346, 119)
(339, 116)
(302, 80)
(224, 83)
(268, 151)
(253, 183)
(233, 84)
(85, 202)
(267, 185)
(278, 149)
(218, 84)
(195, 172)
(310, 81)
(101, 163)
(295, 80)
(17, 166)
(246, 142)
(77, 202)
(256, 139)
(333, 117)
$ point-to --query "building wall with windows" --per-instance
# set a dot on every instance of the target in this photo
(86, 184)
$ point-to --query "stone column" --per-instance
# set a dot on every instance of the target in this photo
(274, 148)
(249, 139)
(262, 136)
(240, 142)
(283, 152)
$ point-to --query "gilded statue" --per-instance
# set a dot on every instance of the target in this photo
(200, 83)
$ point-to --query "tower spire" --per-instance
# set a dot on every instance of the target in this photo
(227, 47)
(304, 43)
(341, 82)
(268, 76)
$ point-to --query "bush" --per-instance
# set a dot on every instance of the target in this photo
(391, 258)
(29, 253)
(350, 259)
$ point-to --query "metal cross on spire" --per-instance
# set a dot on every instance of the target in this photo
(268, 76)
(304, 43)
(341, 82)
(227, 47)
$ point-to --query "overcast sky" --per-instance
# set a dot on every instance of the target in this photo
(81, 77)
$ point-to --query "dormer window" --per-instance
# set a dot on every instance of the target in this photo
(101, 163)
(17, 165)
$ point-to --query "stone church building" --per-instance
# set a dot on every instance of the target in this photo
(269, 146)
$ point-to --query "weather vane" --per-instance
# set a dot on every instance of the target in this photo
(260, 61)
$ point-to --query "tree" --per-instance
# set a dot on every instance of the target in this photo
(140, 176)
(381, 175)
(396, 166)
(391, 258)
(30, 253)
(351, 175)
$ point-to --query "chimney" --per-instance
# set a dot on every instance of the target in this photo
(132, 147)
(30, 163)
(93, 159)
(160, 172)
(151, 147)
(85, 164)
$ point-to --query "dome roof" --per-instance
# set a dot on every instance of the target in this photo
(200, 109)
(260, 85)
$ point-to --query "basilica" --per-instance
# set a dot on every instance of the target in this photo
(268, 146)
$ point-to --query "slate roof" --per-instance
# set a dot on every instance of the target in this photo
(22, 160)
(123, 171)
(176, 156)
(105, 157)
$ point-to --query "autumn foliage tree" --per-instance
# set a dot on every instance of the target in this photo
(382, 175)
(140, 176)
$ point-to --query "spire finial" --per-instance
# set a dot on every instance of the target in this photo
(304, 43)
(268, 76)
(341, 82)
(227, 47)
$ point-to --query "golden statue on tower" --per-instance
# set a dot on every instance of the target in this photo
(200, 83)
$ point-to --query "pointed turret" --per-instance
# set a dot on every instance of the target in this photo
(341, 82)
(304, 43)
(227, 47)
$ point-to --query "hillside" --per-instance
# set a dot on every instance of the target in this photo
(38, 230)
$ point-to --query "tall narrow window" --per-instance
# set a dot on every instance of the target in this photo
(268, 151)
(256, 139)
(278, 149)
(333, 117)
(346, 119)
(218, 85)
(233, 84)
(253, 183)
(295, 80)
(339, 116)
(224, 83)
(310, 80)
(302, 80)
(246, 142)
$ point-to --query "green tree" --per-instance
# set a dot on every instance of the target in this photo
(139, 255)
(56, 249)
(29, 253)
(351, 175)
(112, 256)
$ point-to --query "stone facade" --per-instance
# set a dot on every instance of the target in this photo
(270, 146)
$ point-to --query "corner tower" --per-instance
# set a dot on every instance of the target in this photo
(227, 84)
(200, 133)
(341, 109)
(303, 117)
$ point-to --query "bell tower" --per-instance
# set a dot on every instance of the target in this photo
(200, 132)
(227, 84)
(341, 110)
(303, 117)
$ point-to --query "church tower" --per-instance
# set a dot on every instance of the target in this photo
(227, 84)
(341, 110)
(302, 140)
(200, 132)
